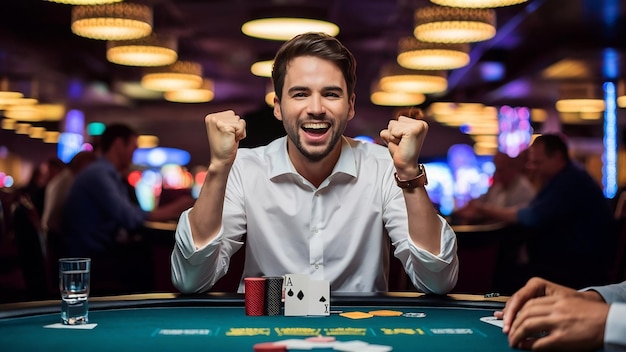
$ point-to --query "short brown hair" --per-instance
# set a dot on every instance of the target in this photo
(319, 45)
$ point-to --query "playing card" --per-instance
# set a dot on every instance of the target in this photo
(296, 294)
(493, 321)
(319, 297)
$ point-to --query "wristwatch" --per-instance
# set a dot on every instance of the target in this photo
(419, 181)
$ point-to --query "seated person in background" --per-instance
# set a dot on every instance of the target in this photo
(510, 188)
(568, 227)
(315, 202)
(588, 319)
(98, 207)
(56, 193)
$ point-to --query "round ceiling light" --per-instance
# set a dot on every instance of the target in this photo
(147, 51)
(454, 25)
(117, 21)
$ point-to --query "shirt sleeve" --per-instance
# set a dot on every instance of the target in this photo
(198, 269)
(615, 293)
(615, 330)
(435, 273)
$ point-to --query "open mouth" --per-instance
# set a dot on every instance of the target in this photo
(317, 128)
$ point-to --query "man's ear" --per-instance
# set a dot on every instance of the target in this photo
(277, 112)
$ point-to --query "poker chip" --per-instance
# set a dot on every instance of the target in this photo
(385, 313)
(269, 347)
(414, 315)
(320, 339)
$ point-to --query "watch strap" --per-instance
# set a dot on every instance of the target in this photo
(419, 181)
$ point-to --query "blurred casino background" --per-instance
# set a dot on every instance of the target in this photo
(514, 70)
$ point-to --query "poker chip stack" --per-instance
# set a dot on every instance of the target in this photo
(273, 294)
(254, 293)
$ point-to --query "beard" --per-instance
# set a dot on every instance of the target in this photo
(336, 133)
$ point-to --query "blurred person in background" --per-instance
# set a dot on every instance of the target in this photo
(29, 237)
(98, 211)
(510, 188)
(570, 231)
(55, 196)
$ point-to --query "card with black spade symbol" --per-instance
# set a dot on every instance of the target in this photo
(319, 297)
(296, 294)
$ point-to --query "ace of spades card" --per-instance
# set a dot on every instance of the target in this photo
(296, 294)
(319, 297)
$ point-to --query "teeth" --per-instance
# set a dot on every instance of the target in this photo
(315, 125)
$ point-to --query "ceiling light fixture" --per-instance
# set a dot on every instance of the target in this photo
(8, 124)
(262, 68)
(384, 98)
(118, 21)
(51, 137)
(585, 99)
(418, 55)
(6, 96)
(454, 25)
(179, 75)
(147, 141)
(477, 3)
(285, 22)
(148, 51)
(399, 79)
(204, 94)
(580, 105)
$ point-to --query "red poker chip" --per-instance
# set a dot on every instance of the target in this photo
(269, 347)
(320, 339)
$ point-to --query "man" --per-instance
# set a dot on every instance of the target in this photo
(98, 210)
(569, 225)
(510, 188)
(568, 320)
(315, 202)
(98, 206)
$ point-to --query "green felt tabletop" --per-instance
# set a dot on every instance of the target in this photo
(229, 329)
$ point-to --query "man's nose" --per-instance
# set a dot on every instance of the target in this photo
(316, 105)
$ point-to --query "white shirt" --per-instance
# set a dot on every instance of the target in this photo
(335, 232)
(615, 328)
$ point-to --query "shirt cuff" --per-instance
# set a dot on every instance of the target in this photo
(184, 241)
(437, 263)
(615, 330)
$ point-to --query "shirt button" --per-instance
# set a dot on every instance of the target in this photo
(317, 266)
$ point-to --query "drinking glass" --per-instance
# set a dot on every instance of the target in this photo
(74, 287)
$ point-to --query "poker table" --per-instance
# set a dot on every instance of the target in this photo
(217, 322)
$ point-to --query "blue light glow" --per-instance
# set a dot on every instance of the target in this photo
(366, 139)
(75, 122)
(610, 68)
(609, 158)
(157, 157)
(492, 71)
(69, 144)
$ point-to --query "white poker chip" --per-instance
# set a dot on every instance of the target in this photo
(414, 315)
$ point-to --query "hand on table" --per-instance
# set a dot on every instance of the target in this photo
(572, 319)
(571, 323)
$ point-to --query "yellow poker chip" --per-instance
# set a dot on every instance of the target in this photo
(356, 315)
(386, 313)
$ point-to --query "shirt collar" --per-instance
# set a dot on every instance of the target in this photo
(280, 164)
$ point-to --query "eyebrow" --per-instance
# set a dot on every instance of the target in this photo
(306, 89)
